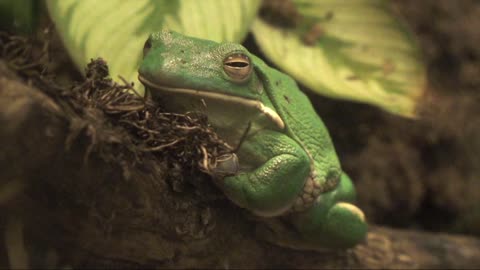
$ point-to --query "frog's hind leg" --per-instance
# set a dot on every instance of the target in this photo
(276, 178)
(333, 221)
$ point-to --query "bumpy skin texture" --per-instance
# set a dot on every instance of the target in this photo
(287, 162)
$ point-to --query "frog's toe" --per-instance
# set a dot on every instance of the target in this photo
(226, 165)
(346, 224)
(352, 209)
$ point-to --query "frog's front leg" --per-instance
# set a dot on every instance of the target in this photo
(273, 171)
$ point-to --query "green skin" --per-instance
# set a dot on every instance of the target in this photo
(285, 164)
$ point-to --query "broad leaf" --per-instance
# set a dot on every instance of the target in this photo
(117, 29)
(352, 50)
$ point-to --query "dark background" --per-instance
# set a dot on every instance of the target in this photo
(421, 173)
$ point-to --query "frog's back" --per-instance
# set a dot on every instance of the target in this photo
(302, 123)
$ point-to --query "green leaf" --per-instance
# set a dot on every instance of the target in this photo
(117, 29)
(353, 50)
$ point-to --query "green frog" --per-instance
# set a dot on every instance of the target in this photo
(284, 166)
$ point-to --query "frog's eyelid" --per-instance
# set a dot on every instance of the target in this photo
(237, 61)
(236, 52)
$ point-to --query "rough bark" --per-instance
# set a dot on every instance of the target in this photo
(78, 208)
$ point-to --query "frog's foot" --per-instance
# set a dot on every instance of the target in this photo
(341, 226)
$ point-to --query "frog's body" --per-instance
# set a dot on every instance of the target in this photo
(287, 165)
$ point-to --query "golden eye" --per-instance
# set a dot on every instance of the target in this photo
(238, 67)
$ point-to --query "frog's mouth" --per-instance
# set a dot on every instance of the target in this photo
(269, 113)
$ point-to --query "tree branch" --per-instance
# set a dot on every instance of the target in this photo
(140, 211)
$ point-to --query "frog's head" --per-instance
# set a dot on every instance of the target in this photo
(179, 64)
(175, 61)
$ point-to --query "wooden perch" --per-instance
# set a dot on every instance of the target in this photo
(92, 211)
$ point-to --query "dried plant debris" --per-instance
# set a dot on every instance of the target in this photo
(111, 113)
(24, 55)
(177, 138)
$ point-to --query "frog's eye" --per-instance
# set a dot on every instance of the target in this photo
(238, 67)
(147, 46)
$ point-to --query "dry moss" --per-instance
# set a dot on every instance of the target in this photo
(186, 140)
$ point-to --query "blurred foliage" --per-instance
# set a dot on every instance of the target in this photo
(353, 50)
